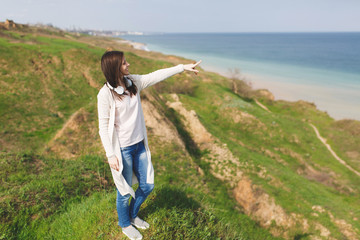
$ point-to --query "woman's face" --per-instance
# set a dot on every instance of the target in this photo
(124, 67)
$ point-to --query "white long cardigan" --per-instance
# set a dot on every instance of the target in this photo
(107, 131)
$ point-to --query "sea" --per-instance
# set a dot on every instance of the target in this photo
(322, 68)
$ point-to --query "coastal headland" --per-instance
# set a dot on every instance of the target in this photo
(231, 162)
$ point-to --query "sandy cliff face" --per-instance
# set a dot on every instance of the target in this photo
(251, 197)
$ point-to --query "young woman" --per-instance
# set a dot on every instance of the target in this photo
(123, 134)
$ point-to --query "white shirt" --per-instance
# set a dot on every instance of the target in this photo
(107, 132)
(127, 120)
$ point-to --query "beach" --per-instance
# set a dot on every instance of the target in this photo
(323, 97)
(136, 45)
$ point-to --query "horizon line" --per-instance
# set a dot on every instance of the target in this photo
(163, 32)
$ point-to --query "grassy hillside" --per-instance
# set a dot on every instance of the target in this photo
(285, 157)
(241, 173)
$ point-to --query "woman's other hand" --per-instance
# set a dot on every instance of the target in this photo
(114, 163)
(191, 67)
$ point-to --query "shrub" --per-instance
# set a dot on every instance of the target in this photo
(240, 86)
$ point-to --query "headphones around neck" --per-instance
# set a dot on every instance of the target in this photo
(119, 89)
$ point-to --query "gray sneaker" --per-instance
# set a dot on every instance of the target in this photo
(132, 233)
(139, 223)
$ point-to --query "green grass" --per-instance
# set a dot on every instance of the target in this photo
(35, 187)
(171, 214)
(74, 199)
(46, 197)
(280, 129)
(37, 88)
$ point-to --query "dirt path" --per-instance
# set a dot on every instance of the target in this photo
(323, 140)
(261, 105)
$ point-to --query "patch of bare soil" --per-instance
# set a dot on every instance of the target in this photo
(264, 93)
(225, 166)
(245, 118)
(90, 79)
(159, 125)
(56, 61)
(263, 209)
(344, 227)
(262, 106)
(353, 154)
(79, 135)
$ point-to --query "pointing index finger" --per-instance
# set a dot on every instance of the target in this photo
(197, 63)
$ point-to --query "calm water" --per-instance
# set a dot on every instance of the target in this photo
(323, 68)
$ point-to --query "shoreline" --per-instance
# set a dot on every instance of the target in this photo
(135, 45)
(288, 91)
(321, 96)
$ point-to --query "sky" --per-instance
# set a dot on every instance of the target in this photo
(188, 15)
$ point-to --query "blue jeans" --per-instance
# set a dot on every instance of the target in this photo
(134, 159)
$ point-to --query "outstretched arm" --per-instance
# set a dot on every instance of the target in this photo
(147, 80)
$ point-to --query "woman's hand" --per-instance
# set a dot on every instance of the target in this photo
(191, 67)
(114, 163)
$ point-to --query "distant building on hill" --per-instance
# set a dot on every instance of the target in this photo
(10, 24)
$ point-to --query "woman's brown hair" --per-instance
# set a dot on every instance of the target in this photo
(110, 65)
